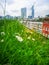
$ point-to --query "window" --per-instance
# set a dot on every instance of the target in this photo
(46, 29)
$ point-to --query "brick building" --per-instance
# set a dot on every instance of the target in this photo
(45, 28)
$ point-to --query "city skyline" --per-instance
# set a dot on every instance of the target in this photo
(13, 7)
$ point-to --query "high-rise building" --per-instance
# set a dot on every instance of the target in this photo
(32, 11)
(23, 12)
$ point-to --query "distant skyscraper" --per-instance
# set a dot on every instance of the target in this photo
(32, 11)
(23, 13)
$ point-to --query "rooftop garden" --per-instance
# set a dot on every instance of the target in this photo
(22, 46)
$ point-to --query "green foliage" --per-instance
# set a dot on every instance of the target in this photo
(39, 19)
(28, 52)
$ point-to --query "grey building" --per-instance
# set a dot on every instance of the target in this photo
(23, 12)
(32, 11)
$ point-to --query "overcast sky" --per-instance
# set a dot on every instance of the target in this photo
(13, 7)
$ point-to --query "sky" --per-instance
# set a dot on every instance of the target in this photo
(13, 7)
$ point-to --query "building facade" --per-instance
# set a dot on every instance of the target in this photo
(30, 17)
(45, 28)
(32, 11)
(23, 12)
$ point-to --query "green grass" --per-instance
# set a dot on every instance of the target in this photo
(33, 50)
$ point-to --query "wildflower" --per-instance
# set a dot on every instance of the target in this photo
(28, 37)
(33, 39)
(19, 38)
(2, 40)
(2, 33)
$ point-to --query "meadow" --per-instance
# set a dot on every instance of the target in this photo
(22, 46)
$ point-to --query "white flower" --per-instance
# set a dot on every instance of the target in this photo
(2, 40)
(33, 39)
(19, 38)
(28, 37)
(2, 33)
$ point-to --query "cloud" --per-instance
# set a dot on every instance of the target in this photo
(7, 1)
(41, 7)
(41, 10)
(13, 7)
